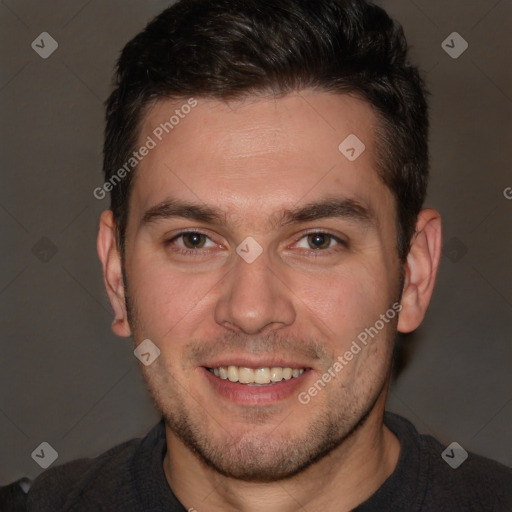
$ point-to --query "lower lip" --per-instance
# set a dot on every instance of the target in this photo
(255, 395)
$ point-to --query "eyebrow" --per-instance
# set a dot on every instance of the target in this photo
(347, 208)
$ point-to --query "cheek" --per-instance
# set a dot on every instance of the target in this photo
(167, 298)
(346, 299)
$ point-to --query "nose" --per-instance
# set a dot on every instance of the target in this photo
(254, 299)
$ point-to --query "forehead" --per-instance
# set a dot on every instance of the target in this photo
(254, 156)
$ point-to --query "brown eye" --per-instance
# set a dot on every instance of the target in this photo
(194, 240)
(190, 243)
(319, 240)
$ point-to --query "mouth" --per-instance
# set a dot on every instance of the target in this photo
(255, 386)
(256, 377)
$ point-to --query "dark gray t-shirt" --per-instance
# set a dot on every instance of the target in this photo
(130, 478)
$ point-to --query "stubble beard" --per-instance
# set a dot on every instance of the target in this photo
(258, 453)
(259, 456)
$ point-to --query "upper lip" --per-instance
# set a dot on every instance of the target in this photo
(248, 362)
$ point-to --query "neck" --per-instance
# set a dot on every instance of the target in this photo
(345, 478)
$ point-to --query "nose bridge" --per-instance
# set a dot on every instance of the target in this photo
(253, 298)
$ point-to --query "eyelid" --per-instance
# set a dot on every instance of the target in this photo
(185, 231)
(317, 231)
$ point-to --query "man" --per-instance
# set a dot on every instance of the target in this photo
(268, 164)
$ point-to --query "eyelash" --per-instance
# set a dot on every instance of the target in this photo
(314, 252)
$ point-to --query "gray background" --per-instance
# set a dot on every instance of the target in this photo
(67, 380)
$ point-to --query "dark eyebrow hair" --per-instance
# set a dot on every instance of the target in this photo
(347, 208)
(177, 208)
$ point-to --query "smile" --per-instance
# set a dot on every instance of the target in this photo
(258, 376)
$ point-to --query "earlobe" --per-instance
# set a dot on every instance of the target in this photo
(421, 270)
(110, 258)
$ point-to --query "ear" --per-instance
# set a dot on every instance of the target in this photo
(112, 274)
(421, 270)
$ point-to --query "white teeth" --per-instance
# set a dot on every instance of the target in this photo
(287, 373)
(246, 375)
(233, 373)
(262, 376)
(276, 374)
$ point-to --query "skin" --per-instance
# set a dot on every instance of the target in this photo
(251, 159)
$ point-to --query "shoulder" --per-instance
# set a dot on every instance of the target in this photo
(450, 477)
(466, 479)
(12, 497)
(61, 486)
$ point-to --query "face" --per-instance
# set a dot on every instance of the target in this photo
(255, 246)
